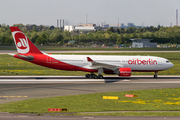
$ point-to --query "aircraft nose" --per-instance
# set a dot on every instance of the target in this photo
(171, 65)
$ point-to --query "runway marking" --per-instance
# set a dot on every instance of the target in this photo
(13, 88)
(75, 80)
(126, 80)
(26, 86)
(32, 86)
(110, 97)
(13, 96)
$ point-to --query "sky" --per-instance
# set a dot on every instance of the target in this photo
(46, 12)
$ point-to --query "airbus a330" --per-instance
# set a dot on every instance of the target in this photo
(108, 64)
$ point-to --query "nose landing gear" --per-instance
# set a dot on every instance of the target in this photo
(155, 76)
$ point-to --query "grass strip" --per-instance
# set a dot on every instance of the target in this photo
(107, 49)
(94, 48)
(131, 114)
(147, 100)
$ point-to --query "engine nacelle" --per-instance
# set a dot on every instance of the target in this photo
(124, 72)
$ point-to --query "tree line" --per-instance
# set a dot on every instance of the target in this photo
(50, 35)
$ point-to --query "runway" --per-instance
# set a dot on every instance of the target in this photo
(16, 88)
(14, 116)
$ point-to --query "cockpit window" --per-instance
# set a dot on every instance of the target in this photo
(167, 61)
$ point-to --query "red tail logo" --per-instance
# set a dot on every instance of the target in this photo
(23, 44)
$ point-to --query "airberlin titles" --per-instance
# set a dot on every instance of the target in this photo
(142, 62)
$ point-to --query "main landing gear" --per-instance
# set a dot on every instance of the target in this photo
(155, 76)
(94, 76)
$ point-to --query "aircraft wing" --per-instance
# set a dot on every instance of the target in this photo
(96, 65)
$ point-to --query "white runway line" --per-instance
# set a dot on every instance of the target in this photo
(79, 81)
(126, 80)
(57, 80)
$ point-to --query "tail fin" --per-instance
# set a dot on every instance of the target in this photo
(23, 44)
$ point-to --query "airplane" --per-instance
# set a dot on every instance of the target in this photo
(123, 66)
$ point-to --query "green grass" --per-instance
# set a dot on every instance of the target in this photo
(9, 64)
(95, 49)
(131, 114)
(107, 49)
(147, 100)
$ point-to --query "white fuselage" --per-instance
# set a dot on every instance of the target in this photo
(136, 63)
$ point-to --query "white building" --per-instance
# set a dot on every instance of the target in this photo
(87, 25)
(81, 28)
(141, 43)
(69, 28)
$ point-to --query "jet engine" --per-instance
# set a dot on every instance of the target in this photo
(124, 71)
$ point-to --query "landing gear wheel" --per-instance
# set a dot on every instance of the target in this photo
(100, 77)
(88, 76)
(155, 76)
(94, 76)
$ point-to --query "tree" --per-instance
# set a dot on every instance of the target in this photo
(118, 31)
(41, 27)
(20, 26)
(34, 36)
(120, 40)
(131, 29)
(111, 29)
(34, 29)
(133, 35)
(158, 27)
(122, 30)
(41, 40)
(126, 38)
(51, 27)
(56, 37)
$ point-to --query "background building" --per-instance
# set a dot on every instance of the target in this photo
(69, 28)
(82, 27)
(87, 25)
(141, 43)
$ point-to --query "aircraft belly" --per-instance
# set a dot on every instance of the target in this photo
(79, 64)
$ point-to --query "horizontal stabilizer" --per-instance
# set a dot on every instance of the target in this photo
(29, 57)
(11, 54)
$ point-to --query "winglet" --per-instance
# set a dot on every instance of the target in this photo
(89, 59)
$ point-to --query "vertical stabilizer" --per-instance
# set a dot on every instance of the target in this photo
(23, 44)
